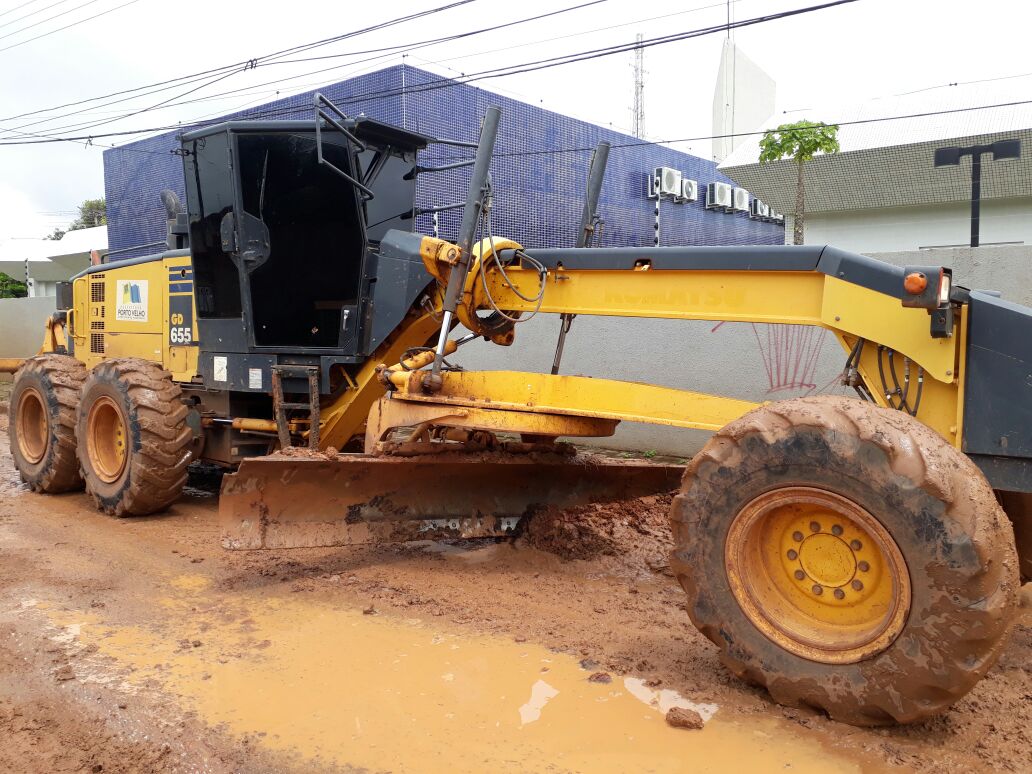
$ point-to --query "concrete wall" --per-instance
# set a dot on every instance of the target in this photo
(914, 228)
(22, 322)
(739, 360)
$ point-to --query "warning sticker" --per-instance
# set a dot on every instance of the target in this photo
(219, 368)
(254, 378)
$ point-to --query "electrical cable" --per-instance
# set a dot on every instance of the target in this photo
(67, 26)
(275, 93)
(258, 63)
(33, 13)
(203, 73)
(12, 10)
(545, 63)
(49, 18)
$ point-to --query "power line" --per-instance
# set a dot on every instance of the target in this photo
(557, 61)
(642, 143)
(513, 69)
(410, 47)
(241, 63)
(12, 10)
(442, 62)
(49, 18)
(33, 13)
(68, 26)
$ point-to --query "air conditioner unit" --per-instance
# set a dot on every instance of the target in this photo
(718, 196)
(777, 217)
(665, 181)
(741, 197)
(689, 190)
(758, 210)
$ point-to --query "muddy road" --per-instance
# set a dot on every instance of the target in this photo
(140, 646)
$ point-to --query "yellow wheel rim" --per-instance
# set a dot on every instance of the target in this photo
(106, 440)
(817, 574)
(33, 426)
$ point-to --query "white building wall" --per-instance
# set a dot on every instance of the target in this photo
(893, 229)
(743, 99)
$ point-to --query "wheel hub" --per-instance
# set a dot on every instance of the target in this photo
(32, 425)
(106, 440)
(817, 574)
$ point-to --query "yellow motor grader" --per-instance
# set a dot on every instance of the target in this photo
(857, 555)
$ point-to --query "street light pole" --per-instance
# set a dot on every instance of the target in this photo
(976, 196)
(1001, 149)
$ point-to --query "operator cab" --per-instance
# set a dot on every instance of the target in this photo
(285, 220)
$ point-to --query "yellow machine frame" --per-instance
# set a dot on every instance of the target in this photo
(544, 404)
(530, 403)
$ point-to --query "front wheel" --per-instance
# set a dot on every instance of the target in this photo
(134, 443)
(847, 558)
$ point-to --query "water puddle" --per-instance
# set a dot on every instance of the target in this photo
(373, 691)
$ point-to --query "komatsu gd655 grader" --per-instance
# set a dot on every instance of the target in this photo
(852, 554)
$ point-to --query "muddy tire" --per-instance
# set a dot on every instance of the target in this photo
(943, 547)
(134, 443)
(42, 422)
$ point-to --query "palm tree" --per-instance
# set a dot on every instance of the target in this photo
(800, 142)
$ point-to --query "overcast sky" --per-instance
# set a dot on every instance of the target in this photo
(867, 49)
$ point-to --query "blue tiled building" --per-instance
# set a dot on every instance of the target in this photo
(539, 170)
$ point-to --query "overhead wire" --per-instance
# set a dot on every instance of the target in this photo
(243, 62)
(259, 88)
(17, 7)
(49, 18)
(33, 13)
(69, 26)
(509, 70)
(408, 47)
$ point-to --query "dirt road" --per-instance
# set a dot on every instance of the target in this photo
(139, 646)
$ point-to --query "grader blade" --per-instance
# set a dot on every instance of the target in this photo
(297, 502)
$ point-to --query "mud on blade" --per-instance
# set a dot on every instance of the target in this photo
(299, 502)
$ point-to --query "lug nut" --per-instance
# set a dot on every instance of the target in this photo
(857, 585)
(863, 566)
(817, 589)
(793, 554)
(797, 536)
(856, 545)
(836, 530)
(839, 594)
(815, 527)
(799, 574)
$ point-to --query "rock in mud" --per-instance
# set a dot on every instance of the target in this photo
(64, 673)
(600, 677)
(680, 717)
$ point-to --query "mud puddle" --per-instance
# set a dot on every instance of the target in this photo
(340, 686)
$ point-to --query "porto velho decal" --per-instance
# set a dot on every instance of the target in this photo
(131, 300)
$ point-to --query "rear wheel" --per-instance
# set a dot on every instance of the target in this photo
(134, 443)
(845, 557)
(42, 422)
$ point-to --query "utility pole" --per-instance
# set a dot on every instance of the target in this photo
(638, 117)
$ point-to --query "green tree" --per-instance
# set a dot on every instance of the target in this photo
(57, 234)
(92, 212)
(12, 288)
(800, 142)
